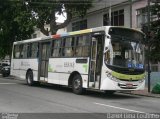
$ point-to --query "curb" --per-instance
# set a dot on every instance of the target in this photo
(153, 96)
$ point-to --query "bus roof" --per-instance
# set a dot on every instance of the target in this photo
(103, 28)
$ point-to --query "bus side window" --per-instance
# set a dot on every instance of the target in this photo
(86, 43)
(82, 46)
(29, 50)
(56, 48)
(16, 51)
(37, 51)
(21, 51)
(68, 49)
(34, 50)
(24, 51)
(78, 48)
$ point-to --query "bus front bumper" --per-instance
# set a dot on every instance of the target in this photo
(108, 84)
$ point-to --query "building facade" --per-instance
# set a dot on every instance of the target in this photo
(139, 13)
(103, 13)
(128, 13)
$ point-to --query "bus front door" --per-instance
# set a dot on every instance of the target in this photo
(43, 61)
(96, 61)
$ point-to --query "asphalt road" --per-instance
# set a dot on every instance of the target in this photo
(17, 97)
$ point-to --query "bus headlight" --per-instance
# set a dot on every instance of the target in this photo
(140, 81)
(115, 79)
(109, 75)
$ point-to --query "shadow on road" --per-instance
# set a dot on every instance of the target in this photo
(89, 93)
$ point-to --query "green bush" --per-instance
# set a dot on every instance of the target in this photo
(156, 89)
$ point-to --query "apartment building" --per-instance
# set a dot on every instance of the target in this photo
(128, 13)
(104, 12)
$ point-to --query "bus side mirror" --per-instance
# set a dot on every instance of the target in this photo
(106, 49)
(126, 55)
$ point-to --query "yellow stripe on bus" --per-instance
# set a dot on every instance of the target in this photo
(80, 32)
(128, 77)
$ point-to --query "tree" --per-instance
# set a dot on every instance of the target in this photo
(155, 32)
(44, 12)
(15, 25)
(18, 17)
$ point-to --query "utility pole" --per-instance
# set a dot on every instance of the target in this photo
(130, 2)
(148, 38)
(110, 12)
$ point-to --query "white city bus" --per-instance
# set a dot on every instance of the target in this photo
(104, 58)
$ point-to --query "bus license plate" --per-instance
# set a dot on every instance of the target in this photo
(129, 85)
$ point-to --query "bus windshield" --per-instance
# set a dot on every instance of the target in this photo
(127, 50)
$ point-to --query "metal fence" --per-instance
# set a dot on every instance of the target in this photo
(155, 74)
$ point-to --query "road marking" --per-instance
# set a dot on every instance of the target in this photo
(7, 83)
(150, 114)
(118, 108)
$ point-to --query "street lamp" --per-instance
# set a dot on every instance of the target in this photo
(149, 76)
(148, 38)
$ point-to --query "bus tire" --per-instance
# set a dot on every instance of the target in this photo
(29, 78)
(77, 85)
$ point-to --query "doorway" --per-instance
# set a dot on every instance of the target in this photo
(96, 60)
(44, 60)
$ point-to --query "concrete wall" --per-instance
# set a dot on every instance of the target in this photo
(95, 20)
(137, 5)
(154, 79)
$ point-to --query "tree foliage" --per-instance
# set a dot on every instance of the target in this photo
(18, 17)
(15, 24)
(45, 10)
(155, 32)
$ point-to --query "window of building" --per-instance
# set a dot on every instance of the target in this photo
(117, 18)
(80, 25)
(141, 17)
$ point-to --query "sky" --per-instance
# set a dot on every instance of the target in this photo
(61, 18)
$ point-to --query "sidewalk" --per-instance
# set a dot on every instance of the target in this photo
(144, 93)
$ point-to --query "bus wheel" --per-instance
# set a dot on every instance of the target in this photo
(77, 85)
(29, 78)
